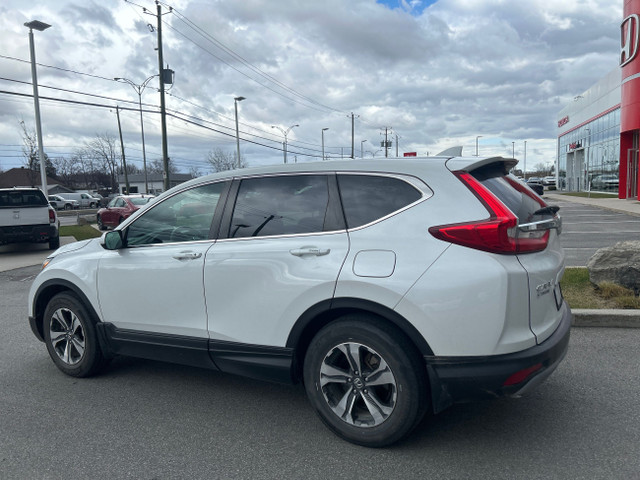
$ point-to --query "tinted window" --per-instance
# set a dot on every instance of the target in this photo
(280, 205)
(367, 198)
(22, 198)
(184, 217)
(522, 205)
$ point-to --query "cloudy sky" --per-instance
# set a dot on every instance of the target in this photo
(436, 74)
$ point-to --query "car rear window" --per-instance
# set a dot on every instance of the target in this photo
(22, 198)
(522, 205)
(367, 198)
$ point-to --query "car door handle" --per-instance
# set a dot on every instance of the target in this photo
(301, 252)
(187, 256)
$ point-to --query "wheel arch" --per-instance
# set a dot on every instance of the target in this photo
(46, 292)
(325, 312)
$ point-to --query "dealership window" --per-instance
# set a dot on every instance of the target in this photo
(588, 157)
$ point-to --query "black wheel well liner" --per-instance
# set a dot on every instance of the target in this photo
(51, 288)
(325, 312)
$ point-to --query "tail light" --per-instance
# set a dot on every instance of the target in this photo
(52, 216)
(497, 234)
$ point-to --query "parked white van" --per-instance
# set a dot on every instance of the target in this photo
(84, 199)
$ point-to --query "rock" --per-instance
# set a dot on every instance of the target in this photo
(619, 264)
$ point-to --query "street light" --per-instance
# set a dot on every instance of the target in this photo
(40, 26)
(361, 148)
(235, 103)
(139, 89)
(477, 137)
(326, 128)
(513, 149)
(285, 133)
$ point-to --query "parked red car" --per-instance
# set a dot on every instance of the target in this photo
(120, 208)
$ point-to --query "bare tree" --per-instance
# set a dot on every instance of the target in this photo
(221, 160)
(32, 157)
(104, 149)
(156, 166)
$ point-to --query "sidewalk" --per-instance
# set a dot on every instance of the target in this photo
(602, 318)
(628, 206)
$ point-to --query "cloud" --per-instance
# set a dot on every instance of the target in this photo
(438, 73)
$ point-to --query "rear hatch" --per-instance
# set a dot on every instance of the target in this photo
(538, 228)
(23, 207)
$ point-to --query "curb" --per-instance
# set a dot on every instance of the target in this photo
(606, 318)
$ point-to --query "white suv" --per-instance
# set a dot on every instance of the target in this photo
(389, 287)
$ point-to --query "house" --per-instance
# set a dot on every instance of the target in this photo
(23, 177)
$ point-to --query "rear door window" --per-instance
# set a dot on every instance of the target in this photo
(367, 198)
(282, 205)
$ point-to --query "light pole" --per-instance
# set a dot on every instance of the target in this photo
(362, 148)
(477, 137)
(524, 167)
(326, 128)
(40, 26)
(285, 133)
(139, 89)
(513, 149)
(235, 103)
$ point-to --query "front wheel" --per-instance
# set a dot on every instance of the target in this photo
(366, 381)
(101, 225)
(70, 336)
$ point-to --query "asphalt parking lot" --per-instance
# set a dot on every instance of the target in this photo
(142, 419)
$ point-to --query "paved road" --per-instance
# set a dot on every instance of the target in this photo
(146, 420)
(586, 228)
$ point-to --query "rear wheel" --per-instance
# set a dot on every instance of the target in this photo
(54, 243)
(70, 336)
(366, 381)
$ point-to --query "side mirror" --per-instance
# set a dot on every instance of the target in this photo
(112, 240)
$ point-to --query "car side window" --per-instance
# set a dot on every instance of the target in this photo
(367, 198)
(282, 205)
(183, 217)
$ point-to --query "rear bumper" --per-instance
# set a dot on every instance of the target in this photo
(461, 379)
(27, 233)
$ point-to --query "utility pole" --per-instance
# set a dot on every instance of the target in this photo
(397, 142)
(352, 133)
(124, 162)
(385, 144)
(163, 111)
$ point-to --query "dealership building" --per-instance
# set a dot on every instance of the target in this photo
(598, 133)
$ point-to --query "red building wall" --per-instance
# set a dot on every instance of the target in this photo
(630, 89)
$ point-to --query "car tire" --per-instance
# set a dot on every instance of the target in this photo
(101, 225)
(54, 243)
(366, 380)
(120, 220)
(68, 206)
(70, 336)
(92, 205)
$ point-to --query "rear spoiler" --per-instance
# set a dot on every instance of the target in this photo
(469, 164)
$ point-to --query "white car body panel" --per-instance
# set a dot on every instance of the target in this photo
(155, 288)
(270, 286)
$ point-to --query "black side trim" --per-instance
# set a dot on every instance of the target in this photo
(462, 379)
(254, 361)
(184, 350)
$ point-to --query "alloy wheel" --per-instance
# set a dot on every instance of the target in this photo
(358, 385)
